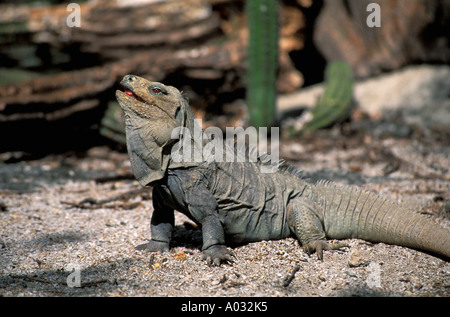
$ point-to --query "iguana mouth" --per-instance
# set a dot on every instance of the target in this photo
(131, 94)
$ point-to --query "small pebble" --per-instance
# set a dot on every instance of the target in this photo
(358, 258)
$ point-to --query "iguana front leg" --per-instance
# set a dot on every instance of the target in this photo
(161, 227)
(204, 210)
(198, 203)
(214, 250)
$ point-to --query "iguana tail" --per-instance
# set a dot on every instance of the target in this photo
(350, 212)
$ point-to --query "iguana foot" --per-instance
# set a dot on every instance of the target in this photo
(154, 246)
(217, 254)
(319, 245)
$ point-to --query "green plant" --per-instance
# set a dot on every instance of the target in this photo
(336, 104)
(113, 123)
(262, 57)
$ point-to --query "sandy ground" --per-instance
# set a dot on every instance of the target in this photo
(69, 224)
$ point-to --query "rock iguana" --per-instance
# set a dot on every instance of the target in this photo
(235, 203)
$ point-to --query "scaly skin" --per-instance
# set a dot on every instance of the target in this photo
(235, 202)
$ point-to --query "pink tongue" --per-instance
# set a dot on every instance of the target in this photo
(129, 93)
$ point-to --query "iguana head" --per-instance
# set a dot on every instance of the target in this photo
(153, 101)
(152, 112)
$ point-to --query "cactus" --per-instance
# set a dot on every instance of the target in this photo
(113, 123)
(336, 104)
(262, 61)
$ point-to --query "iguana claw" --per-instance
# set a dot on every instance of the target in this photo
(319, 245)
(154, 246)
(217, 254)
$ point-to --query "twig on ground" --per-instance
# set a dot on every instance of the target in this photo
(113, 202)
(288, 279)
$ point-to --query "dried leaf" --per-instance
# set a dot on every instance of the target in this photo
(180, 256)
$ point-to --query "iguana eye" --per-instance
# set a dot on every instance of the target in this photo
(157, 90)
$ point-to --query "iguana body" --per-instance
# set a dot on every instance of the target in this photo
(235, 202)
